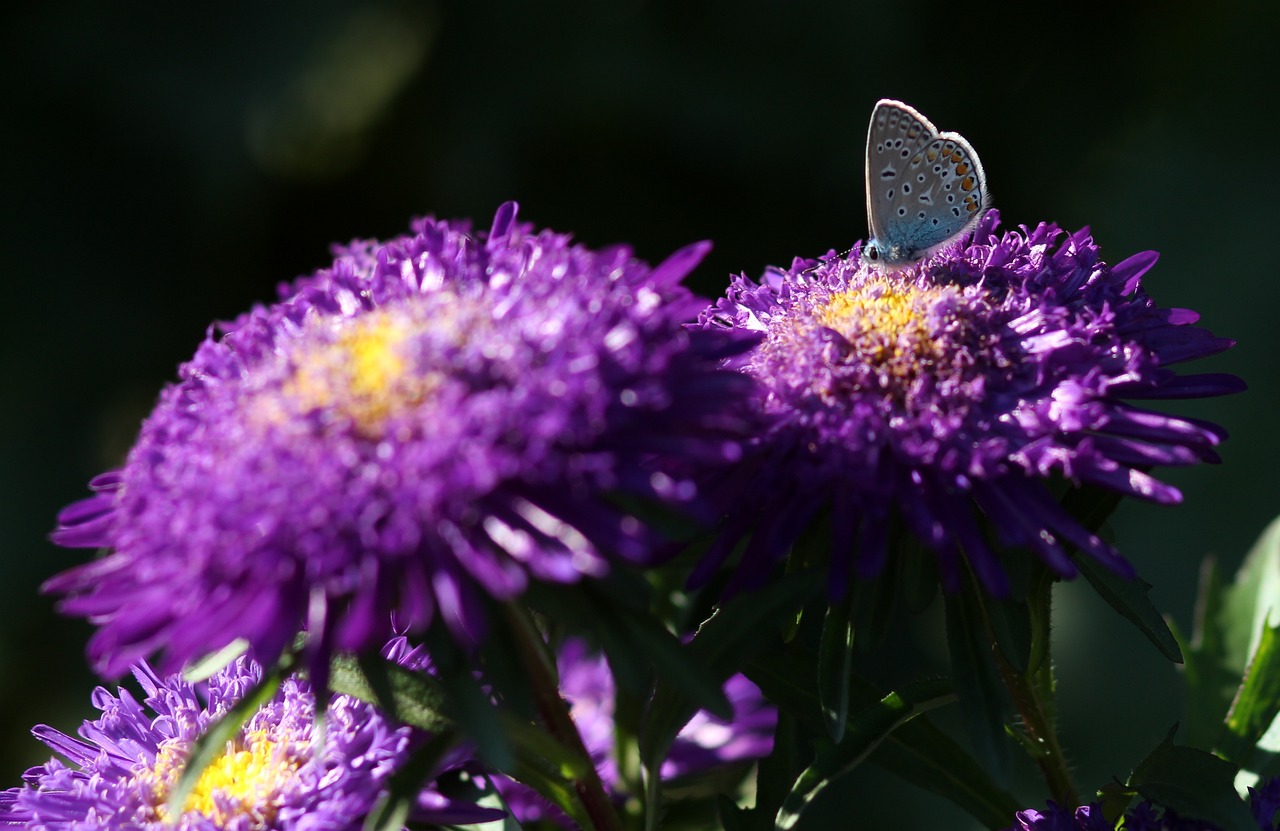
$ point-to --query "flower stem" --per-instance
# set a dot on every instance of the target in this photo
(554, 713)
(1032, 693)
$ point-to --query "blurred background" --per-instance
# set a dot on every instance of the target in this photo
(167, 165)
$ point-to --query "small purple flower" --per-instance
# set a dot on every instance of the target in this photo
(1145, 816)
(953, 394)
(429, 420)
(1057, 818)
(704, 744)
(271, 776)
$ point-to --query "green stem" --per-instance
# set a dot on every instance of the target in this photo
(1032, 694)
(554, 713)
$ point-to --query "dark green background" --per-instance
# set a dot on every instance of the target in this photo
(167, 166)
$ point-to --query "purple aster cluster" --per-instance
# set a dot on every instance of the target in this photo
(1264, 804)
(951, 395)
(704, 744)
(274, 775)
(429, 421)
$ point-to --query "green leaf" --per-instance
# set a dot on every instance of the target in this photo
(983, 699)
(213, 743)
(208, 666)
(925, 756)
(1129, 598)
(919, 569)
(412, 698)
(1210, 684)
(1251, 599)
(867, 729)
(1230, 690)
(835, 662)
(918, 751)
(1196, 784)
(1256, 704)
(1011, 625)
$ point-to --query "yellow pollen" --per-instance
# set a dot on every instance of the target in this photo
(886, 322)
(245, 781)
(364, 373)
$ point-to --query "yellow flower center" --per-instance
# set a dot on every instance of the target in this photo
(364, 371)
(245, 781)
(888, 323)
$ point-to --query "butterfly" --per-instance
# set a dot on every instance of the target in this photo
(924, 188)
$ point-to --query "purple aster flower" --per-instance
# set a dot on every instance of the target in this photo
(429, 420)
(953, 391)
(1058, 818)
(1145, 816)
(271, 776)
(704, 744)
(1264, 802)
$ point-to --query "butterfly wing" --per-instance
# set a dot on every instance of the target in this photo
(943, 193)
(924, 188)
(896, 132)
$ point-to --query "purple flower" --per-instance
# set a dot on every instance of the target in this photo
(271, 776)
(1145, 816)
(953, 394)
(704, 744)
(428, 421)
(1057, 818)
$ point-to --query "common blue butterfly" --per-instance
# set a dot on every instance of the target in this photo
(924, 188)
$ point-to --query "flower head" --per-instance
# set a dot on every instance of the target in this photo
(429, 420)
(1264, 801)
(1058, 818)
(955, 389)
(273, 775)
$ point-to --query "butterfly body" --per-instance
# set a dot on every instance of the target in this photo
(925, 189)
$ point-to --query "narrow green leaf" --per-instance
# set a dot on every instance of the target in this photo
(1011, 624)
(925, 756)
(835, 662)
(1196, 784)
(919, 570)
(983, 699)
(208, 666)
(1129, 598)
(873, 609)
(214, 741)
(1256, 704)
(918, 752)
(775, 773)
(867, 729)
